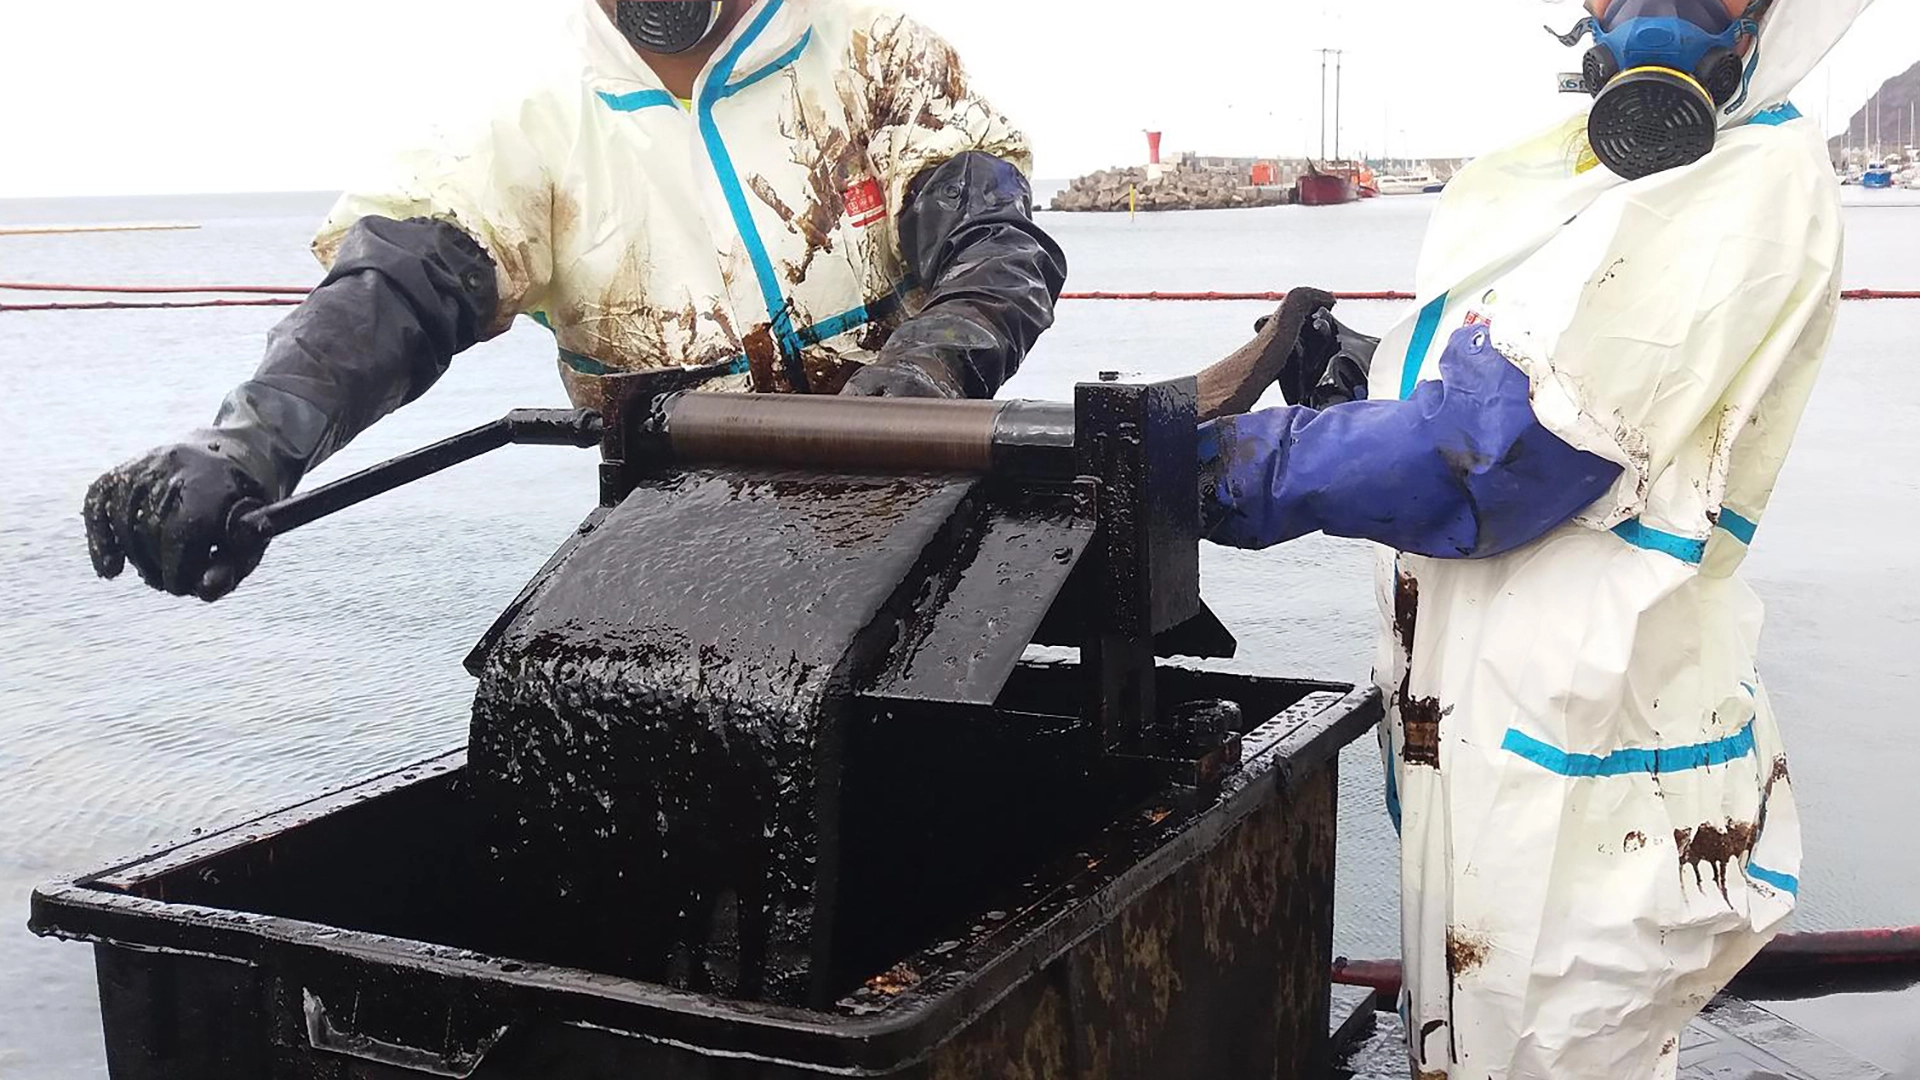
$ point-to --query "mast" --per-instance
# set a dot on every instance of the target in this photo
(1336, 103)
(1879, 125)
(1826, 106)
(1323, 104)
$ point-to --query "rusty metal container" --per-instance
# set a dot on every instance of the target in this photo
(1181, 931)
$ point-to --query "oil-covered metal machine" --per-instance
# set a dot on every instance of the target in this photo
(766, 780)
(791, 605)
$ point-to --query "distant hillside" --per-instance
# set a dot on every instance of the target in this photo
(1895, 97)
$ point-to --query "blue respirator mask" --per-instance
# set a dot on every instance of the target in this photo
(1661, 73)
(667, 26)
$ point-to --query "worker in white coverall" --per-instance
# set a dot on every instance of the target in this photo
(770, 195)
(1568, 448)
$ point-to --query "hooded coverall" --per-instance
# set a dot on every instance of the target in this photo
(1568, 449)
(756, 230)
(834, 210)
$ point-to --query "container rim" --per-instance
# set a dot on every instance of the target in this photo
(962, 984)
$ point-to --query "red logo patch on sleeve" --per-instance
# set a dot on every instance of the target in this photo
(866, 203)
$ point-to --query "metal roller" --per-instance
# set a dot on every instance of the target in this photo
(881, 434)
(1028, 438)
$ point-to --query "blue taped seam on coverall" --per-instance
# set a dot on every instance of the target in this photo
(712, 93)
(1460, 469)
(1786, 883)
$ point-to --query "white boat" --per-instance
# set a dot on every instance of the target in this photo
(1406, 183)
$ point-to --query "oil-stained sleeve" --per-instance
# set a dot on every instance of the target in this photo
(1461, 469)
(921, 107)
(1648, 318)
(492, 182)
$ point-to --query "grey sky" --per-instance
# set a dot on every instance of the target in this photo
(114, 96)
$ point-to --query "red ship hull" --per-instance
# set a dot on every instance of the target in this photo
(1325, 189)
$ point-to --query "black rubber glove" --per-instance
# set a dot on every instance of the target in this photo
(900, 376)
(167, 512)
(403, 297)
(1329, 364)
(991, 277)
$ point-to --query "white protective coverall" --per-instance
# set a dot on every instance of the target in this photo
(647, 234)
(1598, 829)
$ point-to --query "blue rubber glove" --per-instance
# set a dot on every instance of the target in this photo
(1461, 469)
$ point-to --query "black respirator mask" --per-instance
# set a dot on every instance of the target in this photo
(666, 26)
(1661, 73)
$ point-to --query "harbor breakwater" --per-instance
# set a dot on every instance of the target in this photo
(1174, 189)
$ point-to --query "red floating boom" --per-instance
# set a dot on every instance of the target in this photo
(1272, 297)
(121, 305)
(48, 286)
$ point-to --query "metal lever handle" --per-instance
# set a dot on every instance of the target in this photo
(1233, 385)
(252, 523)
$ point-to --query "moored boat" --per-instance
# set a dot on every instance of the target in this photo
(1327, 184)
(1323, 190)
(1412, 183)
